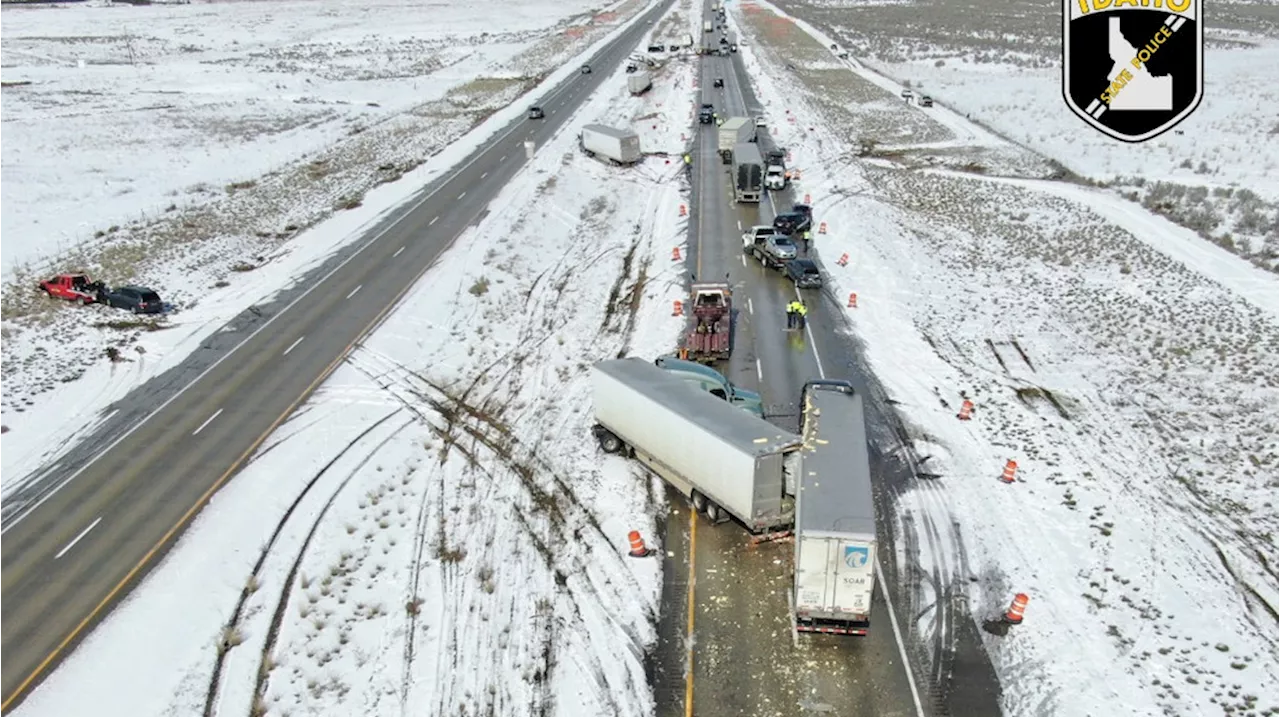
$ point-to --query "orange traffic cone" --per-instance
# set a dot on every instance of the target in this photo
(966, 409)
(1016, 608)
(822, 228)
(843, 260)
(677, 308)
(1010, 471)
(684, 211)
(638, 549)
(853, 301)
(675, 253)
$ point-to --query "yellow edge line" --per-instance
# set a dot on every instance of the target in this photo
(688, 678)
(200, 502)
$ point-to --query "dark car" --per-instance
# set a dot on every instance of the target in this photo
(138, 299)
(707, 114)
(718, 82)
(535, 113)
(926, 101)
(586, 69)
(804, 209)
(804, 273)
(791, 223)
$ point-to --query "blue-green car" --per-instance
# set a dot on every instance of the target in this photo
(712, 381)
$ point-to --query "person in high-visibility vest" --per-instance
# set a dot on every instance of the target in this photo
(802, 312)
(805, 239)
(687, 158)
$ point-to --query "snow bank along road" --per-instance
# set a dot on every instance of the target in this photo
(736, 632)
(87, 534)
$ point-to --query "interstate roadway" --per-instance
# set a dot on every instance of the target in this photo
(89, 530)
(746, 659)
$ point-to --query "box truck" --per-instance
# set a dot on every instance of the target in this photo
(748, 172)
(639, 82)
(619, 146)
(728, 462)
(706, 26)
(735, 131)
(835, 533)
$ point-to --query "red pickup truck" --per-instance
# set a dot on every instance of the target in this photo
(73, 287)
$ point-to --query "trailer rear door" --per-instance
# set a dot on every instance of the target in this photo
(814, 574)
(855, 576)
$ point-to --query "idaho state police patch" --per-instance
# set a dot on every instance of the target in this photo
(1133, 68)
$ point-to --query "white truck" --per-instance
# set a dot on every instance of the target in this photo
(748, 173)
(706, 26)
(639, 82)
(735, 131)
(619, 146)
(835, 535)
(727, 461)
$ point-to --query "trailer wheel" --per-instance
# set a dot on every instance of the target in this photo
(699, 501)
(714, 512)
(610, 443)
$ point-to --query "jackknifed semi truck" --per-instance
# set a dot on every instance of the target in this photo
(748, 172)
(835, 533)
(728, 462)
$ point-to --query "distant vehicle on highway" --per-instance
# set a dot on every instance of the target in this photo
(138, 299)
(707, 113)
(73, 287)
(535, 112)
(586, 69)
(791, 223)
(718, 82)
(804, 273)
(926, 101)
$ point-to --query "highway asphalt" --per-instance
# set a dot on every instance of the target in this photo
(84, 534)
(746, 659)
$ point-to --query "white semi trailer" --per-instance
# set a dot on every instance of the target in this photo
(728, 462)
(619, 146)
(835, 535)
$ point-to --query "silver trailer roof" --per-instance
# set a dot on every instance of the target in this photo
(610, 131)
(754, 435)
(835, 474)
(745, 152)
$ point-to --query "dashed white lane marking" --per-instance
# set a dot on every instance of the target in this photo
(397, 252)
(293, 346)
(759, 372)
(750, 309)
(353, 291)
(433, 221)
(460, 196)
(207, 421)
(483, 175)
(76, 539)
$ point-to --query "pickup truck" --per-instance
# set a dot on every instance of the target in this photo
(73, 287)
(773, 251)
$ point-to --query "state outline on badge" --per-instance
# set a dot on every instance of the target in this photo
(1133, 69)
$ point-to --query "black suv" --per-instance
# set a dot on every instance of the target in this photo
(804, 273)
(804, 209)
(791, 223)
(706, 115)
(718, 82)
(535, 113)
(138, 299)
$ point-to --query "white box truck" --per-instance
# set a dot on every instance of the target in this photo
(728, 462)
(639, 82)
(619, 146)
(835, 535)
(735, 131)
(748, 173)
(706, 26)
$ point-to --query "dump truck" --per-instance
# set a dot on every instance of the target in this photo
(639, 82)
(735, 131)
(835, 533)
(710, 336)
(619, 146)
(748, 173)
(729, 463)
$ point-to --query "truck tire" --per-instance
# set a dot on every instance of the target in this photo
(699, 501)
(610, 443)
(714, 512)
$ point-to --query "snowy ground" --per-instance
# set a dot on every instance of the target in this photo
(1127, 365)
(1218, 173)
(451, 540)
(238, 230)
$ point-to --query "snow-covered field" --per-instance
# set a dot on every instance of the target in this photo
(451, 541)
(1127, 365)
(1217, 173)
(227, 213)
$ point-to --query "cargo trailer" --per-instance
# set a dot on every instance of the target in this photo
(835, 533)
(728, 462)
(734, 131)
(748, 173)
(639, 82)
(619, 146)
